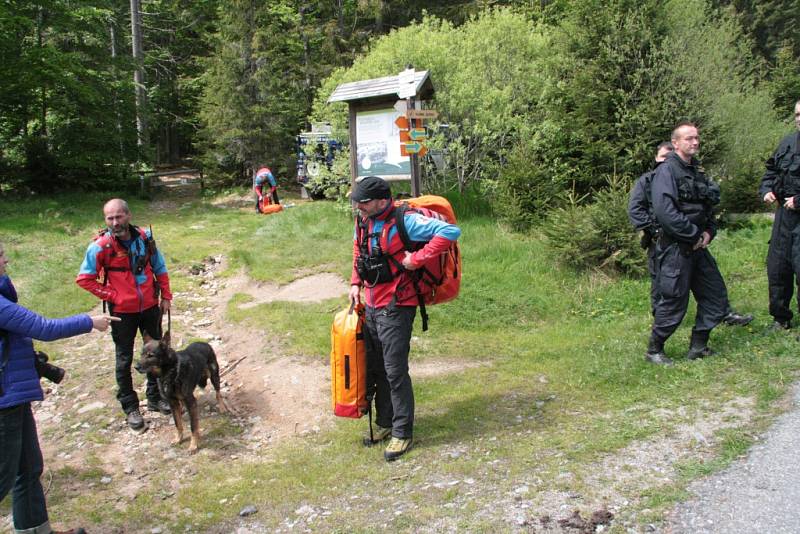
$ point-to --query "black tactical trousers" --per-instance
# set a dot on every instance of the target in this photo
(780, 271)
(124, 334)
(678, 274)
(652, 269)
(387, 340)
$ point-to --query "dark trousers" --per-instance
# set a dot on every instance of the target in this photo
(387, 339)
(260, 192)
(780, 272)
(21, 466)
(124, 334)
(652, 269)
(679, 274)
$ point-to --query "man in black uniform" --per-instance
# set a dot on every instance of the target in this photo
(781, 184)
(682, 199)
(640, 213)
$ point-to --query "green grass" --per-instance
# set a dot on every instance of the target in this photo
(555, 379)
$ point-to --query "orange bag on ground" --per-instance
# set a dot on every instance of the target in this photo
(349, 363)
(266, 209)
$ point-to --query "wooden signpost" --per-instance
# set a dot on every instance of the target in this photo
(386, 130)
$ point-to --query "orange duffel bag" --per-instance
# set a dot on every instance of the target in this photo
(349, 363)
(271, 208)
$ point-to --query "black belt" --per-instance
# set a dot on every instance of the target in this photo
(665, 241)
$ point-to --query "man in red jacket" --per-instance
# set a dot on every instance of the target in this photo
(383, 266)
(124, 268)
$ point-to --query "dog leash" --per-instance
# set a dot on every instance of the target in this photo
(169, 323)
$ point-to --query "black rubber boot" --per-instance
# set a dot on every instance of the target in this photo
(655, 352)
(698, 347)
(737, 319)
(779, 326)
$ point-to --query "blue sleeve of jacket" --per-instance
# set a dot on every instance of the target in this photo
(639, 205)
(89, 264)
(266, 176)
(157, 262)
(665, 208)
(422, 228)
(24, 322)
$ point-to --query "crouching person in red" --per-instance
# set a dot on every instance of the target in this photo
(21, 462)
(382, 265)
(264, 178)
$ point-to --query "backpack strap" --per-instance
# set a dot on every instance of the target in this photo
(400, 223)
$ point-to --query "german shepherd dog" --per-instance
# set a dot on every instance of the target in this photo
(178, 373)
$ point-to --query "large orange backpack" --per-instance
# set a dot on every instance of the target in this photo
(439, 279)
(349, 363)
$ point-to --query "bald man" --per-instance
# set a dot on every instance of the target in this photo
(124, 268)
(683, 199)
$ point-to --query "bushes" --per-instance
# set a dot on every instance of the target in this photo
(538, 109)
(530, 185)
(596, 235)
(332, 183)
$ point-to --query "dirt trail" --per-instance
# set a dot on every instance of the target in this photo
(275, 396)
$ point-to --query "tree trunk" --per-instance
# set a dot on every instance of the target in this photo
(42, 89)
(306, 61)
(138, 76)
(113, 36)
(379, 17)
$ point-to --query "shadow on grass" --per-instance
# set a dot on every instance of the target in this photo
(484, 415)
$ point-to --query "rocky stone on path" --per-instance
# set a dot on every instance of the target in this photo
(248, 510)
(91, 406)
(599, 519)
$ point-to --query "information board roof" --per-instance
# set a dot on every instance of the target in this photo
(380, 88)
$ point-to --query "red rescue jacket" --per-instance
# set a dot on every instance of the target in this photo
(134, 277)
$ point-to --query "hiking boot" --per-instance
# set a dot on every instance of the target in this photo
(378, 434)
(698, 346)
(70, 531)
(658, 358)
(135, 420)
(397, 447)
(159, 406)
(737, 319)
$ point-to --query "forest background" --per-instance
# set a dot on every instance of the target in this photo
(548, 109)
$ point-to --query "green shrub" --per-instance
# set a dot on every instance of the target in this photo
(530, 184)
(332, 183)
(596, 235)
(740, 190)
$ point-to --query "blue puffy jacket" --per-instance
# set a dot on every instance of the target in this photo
(20, 380)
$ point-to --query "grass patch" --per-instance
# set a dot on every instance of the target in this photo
(561, 383)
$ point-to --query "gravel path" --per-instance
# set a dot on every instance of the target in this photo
(758, 494)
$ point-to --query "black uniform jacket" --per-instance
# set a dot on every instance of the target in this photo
(640, 207)
(783, 169)
(681, 200)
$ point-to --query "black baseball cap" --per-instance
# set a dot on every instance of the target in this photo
(370, 188)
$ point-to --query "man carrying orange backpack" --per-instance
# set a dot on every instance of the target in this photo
(384, 267)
